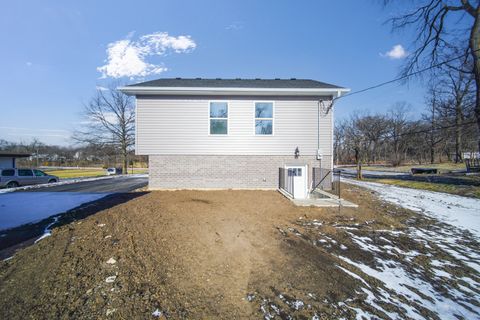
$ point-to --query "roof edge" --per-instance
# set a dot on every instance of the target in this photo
(137, 90)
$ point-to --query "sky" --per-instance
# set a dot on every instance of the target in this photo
(55, 54)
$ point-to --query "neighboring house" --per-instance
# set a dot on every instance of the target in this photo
(8, 159)
(233, 133)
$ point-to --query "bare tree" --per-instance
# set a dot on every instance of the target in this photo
(399, 125)
(458, 85)
(443, 28)
(431, 118)
(373, 128)
(109, 122)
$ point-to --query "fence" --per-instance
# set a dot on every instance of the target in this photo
(473, 165)
(285, 180)
(325, 179)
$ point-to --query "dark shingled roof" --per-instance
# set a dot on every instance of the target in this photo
(14, 154)
(237, 83)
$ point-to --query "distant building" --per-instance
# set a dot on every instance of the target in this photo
(8, 158)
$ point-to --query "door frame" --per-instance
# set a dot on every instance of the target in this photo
(305, 175)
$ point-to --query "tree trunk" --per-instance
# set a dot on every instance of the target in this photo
(359, 164)
(432, 134)
(125, 158)
(474, 48)
(458, 131)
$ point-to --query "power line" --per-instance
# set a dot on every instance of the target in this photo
(403, 77)
(429, 130)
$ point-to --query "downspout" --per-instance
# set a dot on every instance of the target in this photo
(318, 126)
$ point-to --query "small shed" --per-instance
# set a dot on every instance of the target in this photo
(8, 158)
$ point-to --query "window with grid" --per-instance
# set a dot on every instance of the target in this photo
(218, 118)
(264, 118)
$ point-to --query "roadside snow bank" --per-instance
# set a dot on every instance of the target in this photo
(459, 211)
(19, 208)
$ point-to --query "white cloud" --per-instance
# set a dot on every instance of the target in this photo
(100, 88)
(128, 58)
(28, 64)
(234, 26)
(397, 52)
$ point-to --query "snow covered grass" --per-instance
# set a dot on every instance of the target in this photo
(429, 270)
(459, 211)
(426, 266)
(19, 208)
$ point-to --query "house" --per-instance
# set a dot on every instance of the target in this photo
(8, 158)
(234, 133)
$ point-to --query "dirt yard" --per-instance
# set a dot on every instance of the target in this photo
(235, 254)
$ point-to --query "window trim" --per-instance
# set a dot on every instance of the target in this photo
(255, 118)
(227, 118)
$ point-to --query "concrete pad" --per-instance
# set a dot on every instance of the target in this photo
(330, 202)
(324, 202)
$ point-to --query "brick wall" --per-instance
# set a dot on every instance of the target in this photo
(222, 172)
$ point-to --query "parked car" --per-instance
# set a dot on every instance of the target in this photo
(113, 171)
(12, 178)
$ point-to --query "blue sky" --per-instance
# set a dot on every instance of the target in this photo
(52, 51)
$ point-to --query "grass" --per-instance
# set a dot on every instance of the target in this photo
(81, 173)
(76, 173)
(460, 190)
(446, 166)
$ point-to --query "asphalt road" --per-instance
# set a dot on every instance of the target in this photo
(27, 214)
(108, 185)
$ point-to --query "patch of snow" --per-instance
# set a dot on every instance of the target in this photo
(110, 311)
(47, 232)
(441, 263)
(298, 304)
(157, 313)
(441, 274)
(20, 208)
(459, 211)
(353, 275)
(401, 283)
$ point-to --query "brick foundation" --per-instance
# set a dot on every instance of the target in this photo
(223, 172)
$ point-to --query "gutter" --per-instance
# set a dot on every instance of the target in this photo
(135, 90)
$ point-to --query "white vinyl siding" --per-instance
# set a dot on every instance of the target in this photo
(181, 126)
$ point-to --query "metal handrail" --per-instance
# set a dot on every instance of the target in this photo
(319, 177)
(285, 181)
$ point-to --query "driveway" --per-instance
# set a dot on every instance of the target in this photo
(110, 184)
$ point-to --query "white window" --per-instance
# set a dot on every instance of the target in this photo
(218, 118)
(264, 118)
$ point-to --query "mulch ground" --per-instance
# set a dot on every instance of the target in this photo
(186, 254)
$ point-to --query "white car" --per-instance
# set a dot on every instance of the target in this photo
(113, 171)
